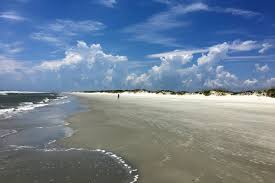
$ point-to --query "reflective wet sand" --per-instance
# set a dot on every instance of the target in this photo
(61, 166)
(182, 139)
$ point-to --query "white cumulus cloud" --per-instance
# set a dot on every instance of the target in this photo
(85, 66)
(250, 82)
(263, 68)
(206, 73)
(265, 47)
(90, 67)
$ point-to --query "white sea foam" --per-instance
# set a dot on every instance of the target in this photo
(29, 106)
(46, 100)
(19, 147)
(5, 133)
(63, 97)
(61, 100)
(23, 107)
(6, 92)
(6, 113)
(51, 142)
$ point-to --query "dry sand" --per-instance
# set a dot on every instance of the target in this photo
(175, 139)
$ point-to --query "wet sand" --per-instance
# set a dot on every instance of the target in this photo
(61, 166)
(182, 138)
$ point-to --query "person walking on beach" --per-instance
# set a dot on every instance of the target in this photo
(117, 96)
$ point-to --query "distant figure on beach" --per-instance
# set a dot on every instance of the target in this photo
(117, 96)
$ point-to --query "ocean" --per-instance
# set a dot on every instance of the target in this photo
(25, 113)
(31, 124)
(12, 103)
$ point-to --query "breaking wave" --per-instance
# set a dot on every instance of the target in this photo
(8, 111)
(5, 133)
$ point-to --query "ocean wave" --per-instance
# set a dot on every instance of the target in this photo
(51, 142)
(27, 106)
(61, 100)
(7, 113)
(5, 133)
(14, 91)
(46, 100)
(20, 147)
(23, 107)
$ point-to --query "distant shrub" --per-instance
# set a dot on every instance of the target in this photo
(181, 92)
(206, 92)
(271, 92)
(219, 92)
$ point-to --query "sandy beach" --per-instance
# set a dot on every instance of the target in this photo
(190, 138)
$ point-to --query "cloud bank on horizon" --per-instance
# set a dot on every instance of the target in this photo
(89, 67)
(52, 57)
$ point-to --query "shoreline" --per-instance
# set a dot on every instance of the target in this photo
(23, 157)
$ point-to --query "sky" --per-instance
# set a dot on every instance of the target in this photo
(190, 45)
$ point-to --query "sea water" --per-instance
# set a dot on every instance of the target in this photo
(31, 124)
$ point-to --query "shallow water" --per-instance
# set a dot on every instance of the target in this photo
(40, 125)
(64, 165)
(29, 153)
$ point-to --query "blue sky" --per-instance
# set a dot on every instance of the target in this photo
(153, 44)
